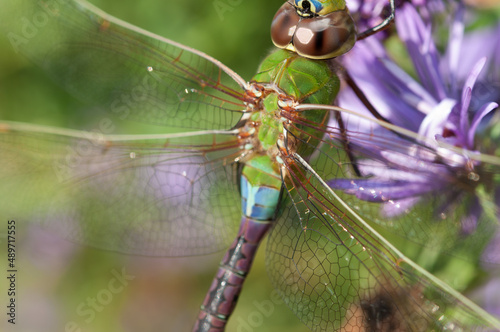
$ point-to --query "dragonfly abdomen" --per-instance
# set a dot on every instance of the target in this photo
(226, 286)
(260, 194)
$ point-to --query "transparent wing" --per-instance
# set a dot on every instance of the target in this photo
(416, 189)
(337, 273)
(128, 71)
(171, 195)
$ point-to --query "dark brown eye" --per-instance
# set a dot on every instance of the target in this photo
(283, 26)
(318, 37)
(326, 36)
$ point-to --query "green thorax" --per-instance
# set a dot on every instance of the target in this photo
(308, 82)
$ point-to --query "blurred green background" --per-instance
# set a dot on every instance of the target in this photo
(58, 280)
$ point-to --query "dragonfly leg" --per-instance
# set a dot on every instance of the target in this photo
(385, 23)
(221, 299)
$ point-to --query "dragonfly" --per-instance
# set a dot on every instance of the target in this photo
(252, 153)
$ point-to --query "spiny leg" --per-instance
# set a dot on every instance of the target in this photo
(383, 25)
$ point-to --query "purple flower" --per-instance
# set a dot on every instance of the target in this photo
(439, 106)
(447, 169)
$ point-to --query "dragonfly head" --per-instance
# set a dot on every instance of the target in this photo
(311, 8)
(314, 29)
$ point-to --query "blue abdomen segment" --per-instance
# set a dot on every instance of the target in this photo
(258, 202)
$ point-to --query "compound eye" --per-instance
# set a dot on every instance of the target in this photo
(325, 37)
(284, 24)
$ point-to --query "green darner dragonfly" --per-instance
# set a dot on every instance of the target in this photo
(162, 194)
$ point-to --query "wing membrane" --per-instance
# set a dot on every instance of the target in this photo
(172, 195)
(128, 71)
(409, 185)
(337, 273)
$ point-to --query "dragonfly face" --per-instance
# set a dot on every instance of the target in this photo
(308, 8)
(313, 30)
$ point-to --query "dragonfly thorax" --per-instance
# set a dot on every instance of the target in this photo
(273, 131)
(263, 133)
(284, 80)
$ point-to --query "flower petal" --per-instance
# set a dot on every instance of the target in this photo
(418, 39)
(433, 124)
(453, 56)
(373, 190)
(480, 114)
